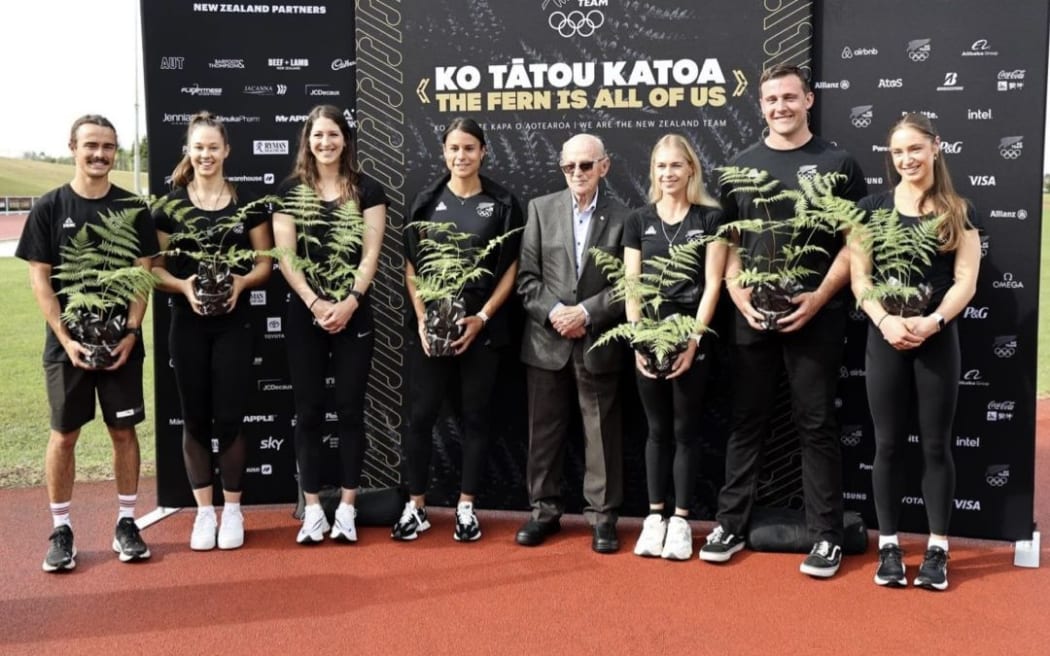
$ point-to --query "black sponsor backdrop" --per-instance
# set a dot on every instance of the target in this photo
(980, 77)
(261, 72)
(402, 46)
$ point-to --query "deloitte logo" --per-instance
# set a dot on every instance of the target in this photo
(919, 50)
(861, 116)
(1011, 147)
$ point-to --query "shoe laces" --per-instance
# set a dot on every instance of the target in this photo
(822, 548)
(936, 557)
(465, 515)
(408, 515)
(719, 535)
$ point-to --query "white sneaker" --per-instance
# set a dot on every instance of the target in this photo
(679, 542)
(344, 528)
(315, 525)
(651, 541)
(203, 536)
(231, 529)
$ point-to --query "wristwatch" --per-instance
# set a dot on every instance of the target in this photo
(940, 320)
(357, 295)
(136, 331)
(696, 337)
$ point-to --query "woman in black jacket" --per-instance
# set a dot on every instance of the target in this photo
(481, 208)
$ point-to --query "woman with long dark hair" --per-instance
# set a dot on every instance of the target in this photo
(211, 345)
(913, 357)
(329, 321)
(478, 206)
(680, 211)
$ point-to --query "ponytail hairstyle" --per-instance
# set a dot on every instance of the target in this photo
(941, 196)
(695, 191)
(183, 173)
(306, 166)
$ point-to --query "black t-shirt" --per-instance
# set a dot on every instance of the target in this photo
(56, 218)
(940, 273)
(815, 157)
(369, 194)
(218, 231)
(476, 216)
(646, 232)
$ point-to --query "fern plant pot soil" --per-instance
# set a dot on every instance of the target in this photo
(213, 287)
(657, 366)
(774, 301)
(913, 305)
(99, 336)
(441, 325)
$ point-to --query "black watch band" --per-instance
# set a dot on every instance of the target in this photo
(136, 331)
(356, 294)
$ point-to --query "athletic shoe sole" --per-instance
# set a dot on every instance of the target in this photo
(818, 572)
(61, 568)
(901, 582)
(474, 538)
(411, 536)
(930, 585)
(129, 557)
(648, 553)
(720, 556)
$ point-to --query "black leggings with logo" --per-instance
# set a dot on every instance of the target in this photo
(927, 377)
(313, 354)
(211, 357)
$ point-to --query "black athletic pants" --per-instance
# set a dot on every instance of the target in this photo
(212, 358)
(431, 377)
(314, 354)
(812, 358)
(672, 410)
(928, 377)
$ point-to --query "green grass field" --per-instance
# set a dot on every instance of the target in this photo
(23, 177)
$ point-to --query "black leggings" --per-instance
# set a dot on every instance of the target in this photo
(211, 357)
(927, 377)
(672, 409)
(311, 351)
(477, 369)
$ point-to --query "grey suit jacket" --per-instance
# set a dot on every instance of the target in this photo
(547, 276)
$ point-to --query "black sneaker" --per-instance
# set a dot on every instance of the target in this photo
(933, 572)
(61, 554)
(720, 546)
(823, 560)
(467, 527)
(413, 522)
(891, 566)
(128, 543)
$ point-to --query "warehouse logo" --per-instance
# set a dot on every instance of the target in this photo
(1005, 346)
(1011, 147)
(919, 50)
(861, 116)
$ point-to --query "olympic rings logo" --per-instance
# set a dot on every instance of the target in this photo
(576, 23)
(1010, 153)
(997, 480)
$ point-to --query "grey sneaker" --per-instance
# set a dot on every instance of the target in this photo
(61, 554)
(127, 541)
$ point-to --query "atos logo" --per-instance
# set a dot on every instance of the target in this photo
(1004, 346)
(861, 116)
(890, 83)
(997, 475)
(1010, 147)
(1007, 282)
(982, 181)
(951, 147)
(270, 444)
(972, 312)
(919, 50)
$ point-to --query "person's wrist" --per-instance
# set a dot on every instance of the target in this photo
(484, 317)
(135, 331)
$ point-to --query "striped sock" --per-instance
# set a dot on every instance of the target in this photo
(60, 514)
(127, 505)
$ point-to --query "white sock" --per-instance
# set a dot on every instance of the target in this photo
(313, 509)
(127, 505)
(232, 507)
(888, 539)
(60, 514)
(465, 505)
(938, 542)
(345, 508)
(205, 510)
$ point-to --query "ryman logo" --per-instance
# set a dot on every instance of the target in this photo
(270, 147)
(861, 116)
(919, 50)
(1011, 147)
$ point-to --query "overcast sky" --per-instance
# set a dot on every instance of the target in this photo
(63, 58)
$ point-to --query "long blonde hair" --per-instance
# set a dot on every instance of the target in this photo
(696, 193)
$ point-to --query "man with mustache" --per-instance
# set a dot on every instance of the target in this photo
(71, 384)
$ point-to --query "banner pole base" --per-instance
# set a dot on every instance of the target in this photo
(1026, 552)
(155, 515)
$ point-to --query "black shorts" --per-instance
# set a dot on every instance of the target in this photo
(71, 395)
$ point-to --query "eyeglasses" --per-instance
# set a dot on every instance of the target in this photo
(585, 167)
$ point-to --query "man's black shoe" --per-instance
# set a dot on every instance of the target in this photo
(533, 532)
(605, 539)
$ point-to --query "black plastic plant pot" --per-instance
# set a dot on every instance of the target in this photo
(774, 302)
(660, 367)
(441, 325)
(909, 306)
(213, 287)
(99, 337)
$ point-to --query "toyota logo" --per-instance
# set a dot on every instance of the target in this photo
(576, 23)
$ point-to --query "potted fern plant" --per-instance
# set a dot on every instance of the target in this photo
(898, 251)
(329, 264)
(206, 243)
(447, 264)
(100, 277)
(776, 269)
(659, 339)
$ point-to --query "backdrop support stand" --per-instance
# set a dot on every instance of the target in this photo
(1026, 552)
(155, 515)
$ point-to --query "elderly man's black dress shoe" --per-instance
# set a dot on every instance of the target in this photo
(534, 532)
(605, 539)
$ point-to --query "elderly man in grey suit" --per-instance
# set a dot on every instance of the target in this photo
(568, 305)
